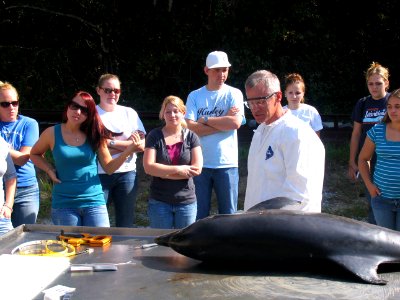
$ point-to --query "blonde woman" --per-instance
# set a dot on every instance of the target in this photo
(21, 133)
(367, 112)
(173, 157)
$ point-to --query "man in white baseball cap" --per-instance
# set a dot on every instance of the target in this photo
(215, 112)
(217, 59)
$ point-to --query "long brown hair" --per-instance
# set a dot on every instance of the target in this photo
(395, 93)
(93, 126)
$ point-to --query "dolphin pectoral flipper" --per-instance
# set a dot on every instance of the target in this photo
(363, 267)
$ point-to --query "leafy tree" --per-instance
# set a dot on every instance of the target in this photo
(50, 49)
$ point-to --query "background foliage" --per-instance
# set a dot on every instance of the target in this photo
(50, 49)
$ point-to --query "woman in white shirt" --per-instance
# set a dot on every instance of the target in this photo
(294, 93)
(120, 188)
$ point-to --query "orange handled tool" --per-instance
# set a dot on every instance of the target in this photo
(77, 239)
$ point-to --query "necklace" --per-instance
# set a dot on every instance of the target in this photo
(72, 134)
(75, 138)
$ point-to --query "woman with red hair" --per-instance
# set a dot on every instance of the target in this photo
(76, 144)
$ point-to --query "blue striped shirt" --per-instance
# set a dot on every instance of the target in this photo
(386, 174)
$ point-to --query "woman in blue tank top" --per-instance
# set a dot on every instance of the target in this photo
(76, 144)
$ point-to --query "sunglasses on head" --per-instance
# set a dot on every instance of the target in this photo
(75, 106)
(6, 104)
(109, 91)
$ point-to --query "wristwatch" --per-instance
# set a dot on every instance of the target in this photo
(205, 119)
(112, 143)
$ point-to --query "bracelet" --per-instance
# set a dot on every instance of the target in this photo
(10, 208)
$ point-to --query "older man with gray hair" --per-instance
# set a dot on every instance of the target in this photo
(286, 158)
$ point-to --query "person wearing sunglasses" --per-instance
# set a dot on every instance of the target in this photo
(76, 144)
(8, 179)
(21, 133)
(286, 158)
(120, 188)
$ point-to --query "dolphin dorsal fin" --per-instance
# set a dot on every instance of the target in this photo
(363, 267)
(274, 203)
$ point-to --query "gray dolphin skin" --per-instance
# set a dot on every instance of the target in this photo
(275, 235)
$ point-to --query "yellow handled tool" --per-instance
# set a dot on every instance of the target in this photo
(77, 239)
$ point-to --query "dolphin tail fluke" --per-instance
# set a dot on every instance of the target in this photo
(363, 267)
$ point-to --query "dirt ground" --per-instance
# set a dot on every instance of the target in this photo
(343, 197)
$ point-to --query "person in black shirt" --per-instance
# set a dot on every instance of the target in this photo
(367, 112)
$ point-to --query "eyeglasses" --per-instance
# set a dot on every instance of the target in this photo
(109, 91)
(251, 103)
(6, 104)
(75, 106)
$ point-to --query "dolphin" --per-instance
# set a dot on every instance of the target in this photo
(259, 236)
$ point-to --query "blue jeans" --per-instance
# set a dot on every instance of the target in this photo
(5, 225)
(121, 189)
(225, 182)
(26, 205)
(387, 212)
(169, 216)
(95, 216)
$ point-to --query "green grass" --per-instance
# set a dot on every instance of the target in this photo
(45, 186)
(348, 198)
(358, 212)
(337, 153)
